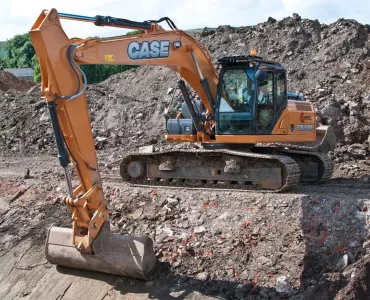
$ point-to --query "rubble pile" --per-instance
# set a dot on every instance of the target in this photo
(328, 64)
(9, 82)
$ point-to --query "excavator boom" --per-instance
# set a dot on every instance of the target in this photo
(89, 244)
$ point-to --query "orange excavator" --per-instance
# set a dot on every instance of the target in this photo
(252, 135)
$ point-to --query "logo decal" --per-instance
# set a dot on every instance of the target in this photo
(145, 50)
(291, 127)
(303, 127)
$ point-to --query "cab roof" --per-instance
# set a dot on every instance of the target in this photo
(234, 60)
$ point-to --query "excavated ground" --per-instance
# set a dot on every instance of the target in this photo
(309, 243)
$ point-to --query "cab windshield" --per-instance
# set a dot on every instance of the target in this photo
(236, 101)
(238, 90)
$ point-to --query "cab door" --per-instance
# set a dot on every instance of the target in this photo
(270, 101)
(235, 102)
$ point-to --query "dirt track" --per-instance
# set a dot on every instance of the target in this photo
(249, 239)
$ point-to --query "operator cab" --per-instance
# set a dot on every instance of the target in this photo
(251, 95)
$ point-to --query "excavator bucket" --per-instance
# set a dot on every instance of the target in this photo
(113, 253)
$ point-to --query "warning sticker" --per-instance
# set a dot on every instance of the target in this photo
(109, 57)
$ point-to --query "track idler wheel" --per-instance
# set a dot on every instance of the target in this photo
(136, 169)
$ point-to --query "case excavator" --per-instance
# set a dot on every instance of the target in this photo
(253, 133)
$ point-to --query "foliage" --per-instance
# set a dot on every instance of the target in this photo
(36, 69)
(134, 32)
(19, 53)
(98, 73)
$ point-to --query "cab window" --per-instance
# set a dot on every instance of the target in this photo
(235, 101)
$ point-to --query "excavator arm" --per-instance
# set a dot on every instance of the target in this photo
(63, 86)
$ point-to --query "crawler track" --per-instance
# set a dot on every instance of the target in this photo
(304, 155)
(252, 170)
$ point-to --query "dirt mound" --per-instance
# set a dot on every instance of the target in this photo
(9, 82)
(329, 64)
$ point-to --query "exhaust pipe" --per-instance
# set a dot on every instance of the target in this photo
(113, 253)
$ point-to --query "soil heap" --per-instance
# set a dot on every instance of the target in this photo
(9, 82)
(329, 64)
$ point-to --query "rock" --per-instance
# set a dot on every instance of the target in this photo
(322, 92)
(199, 230)
(162, 233)
(146, 149)
(170, 90)
(109, 165)
(366, 244)
(139, 116)
(202, 276)
(244, 275)
(225, 40)
(136, 214)
(101, 139)
(271, 20)
(94, 133)
(264, 260)
(27, 174)
(44, 117)
(171, 202)
(283, 285)
(342, 262)
(40, 104)
(33, 89)
(355, 71)
(289, 53)
(296, 17)
(345, 65)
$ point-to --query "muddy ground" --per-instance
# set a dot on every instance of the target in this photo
(308, 243)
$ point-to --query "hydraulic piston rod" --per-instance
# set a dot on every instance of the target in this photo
(108, 21)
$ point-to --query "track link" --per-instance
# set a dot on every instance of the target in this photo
(290, 169)
(326, 167)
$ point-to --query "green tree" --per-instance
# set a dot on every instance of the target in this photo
(36, 69)
(133, 32)
(19, 52)
(98, 73)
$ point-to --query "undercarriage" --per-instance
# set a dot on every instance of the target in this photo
(256, 168)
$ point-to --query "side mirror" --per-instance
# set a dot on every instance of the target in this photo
(261, 75)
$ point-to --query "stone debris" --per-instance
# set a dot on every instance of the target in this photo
(283, 285)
